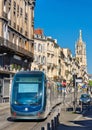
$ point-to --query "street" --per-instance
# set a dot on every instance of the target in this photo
(68, 120)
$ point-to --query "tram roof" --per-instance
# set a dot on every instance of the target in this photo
(30, 72)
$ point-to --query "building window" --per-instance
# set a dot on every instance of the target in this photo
(13, 37)
(39, 59)
(20, 41)
(39, 48)
(44, 59)
(18, 8)
(26, 16)
(35, 46)
(14, 5)
(21, 11)
(48, 55)
(4, 5)
(8, 35)
(43, 48)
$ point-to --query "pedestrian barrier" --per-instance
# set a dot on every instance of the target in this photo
(53, 124)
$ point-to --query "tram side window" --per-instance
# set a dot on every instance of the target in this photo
(0, 89)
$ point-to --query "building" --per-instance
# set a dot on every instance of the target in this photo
(45, 54)
(40, 51)
(67, 64)
(80, 51)
(16, 39)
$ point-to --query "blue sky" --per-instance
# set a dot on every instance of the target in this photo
(62, 20)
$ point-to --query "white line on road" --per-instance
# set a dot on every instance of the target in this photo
(78, 117)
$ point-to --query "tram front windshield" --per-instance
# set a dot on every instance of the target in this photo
(27, 89)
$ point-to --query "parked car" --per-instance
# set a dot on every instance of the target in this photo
(85, 99)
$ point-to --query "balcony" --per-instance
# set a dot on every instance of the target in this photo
(13, 48)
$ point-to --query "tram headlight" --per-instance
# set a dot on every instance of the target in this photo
(26, 109)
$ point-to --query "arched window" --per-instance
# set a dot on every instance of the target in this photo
(44, 59)
(5, 5)
(39, 48)
(39, 59)
(35, 46)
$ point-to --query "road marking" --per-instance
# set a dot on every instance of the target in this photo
(89, 118)
(78, 117)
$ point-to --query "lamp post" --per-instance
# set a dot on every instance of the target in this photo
(75, 91)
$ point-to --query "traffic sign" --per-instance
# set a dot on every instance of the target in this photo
(78, 80)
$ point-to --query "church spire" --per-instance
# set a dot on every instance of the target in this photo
(80, 36)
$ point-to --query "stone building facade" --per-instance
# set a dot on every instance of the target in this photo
(16, 38)
(45, 54)
(80, 51)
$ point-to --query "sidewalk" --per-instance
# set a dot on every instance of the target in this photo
(67, 119)
(4, 105)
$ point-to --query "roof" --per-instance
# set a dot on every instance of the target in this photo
(38, 31)
(30, 72)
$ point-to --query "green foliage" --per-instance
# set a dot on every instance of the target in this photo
(90, 83)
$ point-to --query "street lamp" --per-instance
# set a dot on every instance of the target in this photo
(75, 91)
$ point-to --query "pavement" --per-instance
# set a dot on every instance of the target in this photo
(4, 105)
(68, 119)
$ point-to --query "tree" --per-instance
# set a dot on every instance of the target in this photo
(90, 83)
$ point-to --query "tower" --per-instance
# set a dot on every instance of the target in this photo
(80, 52)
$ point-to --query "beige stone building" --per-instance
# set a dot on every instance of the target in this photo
(67, 64)
(16, 37)
(45, 54)
(50, 58)
(40, 51)
(80, 49)
(58, 63)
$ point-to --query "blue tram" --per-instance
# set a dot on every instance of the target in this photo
(32, 95)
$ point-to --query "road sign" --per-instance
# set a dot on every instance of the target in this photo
(78, 80)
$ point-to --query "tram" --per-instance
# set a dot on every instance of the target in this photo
(32, 95)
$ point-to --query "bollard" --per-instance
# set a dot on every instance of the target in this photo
(42, 128)
(48, 126)
(58, 118)
(52, 124)
(55, 123)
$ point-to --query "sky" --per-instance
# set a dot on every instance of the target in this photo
(62, 20)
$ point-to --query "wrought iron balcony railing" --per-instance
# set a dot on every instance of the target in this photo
(15, 48)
